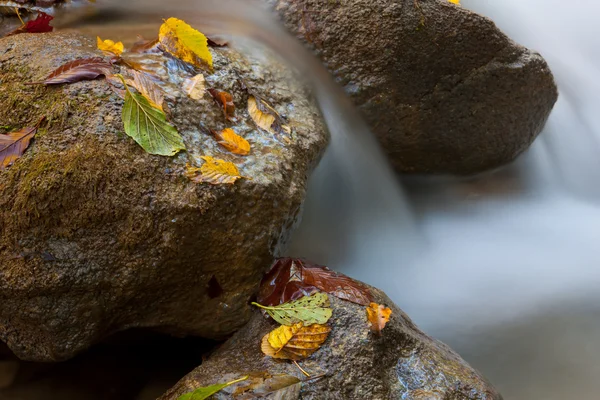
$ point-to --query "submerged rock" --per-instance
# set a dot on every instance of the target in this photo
(98, 236)
(402, 363)
(444, 90)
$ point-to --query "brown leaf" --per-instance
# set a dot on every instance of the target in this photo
(265, 116)
(214, 171)
(145, 84)
(226, 101)
(215, 41)
(143, 46)
(294, 342)
(232, 142)
(78, 70)
(291, 278)
(14, 144)
(378, 316)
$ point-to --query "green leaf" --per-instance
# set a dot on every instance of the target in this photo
(148, 126)
(308, 310)
(207, 391)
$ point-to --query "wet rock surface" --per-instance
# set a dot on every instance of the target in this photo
(403, 363)
(443, 88)
(98, 236)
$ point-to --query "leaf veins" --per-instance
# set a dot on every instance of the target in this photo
(309, 310)
(294, 342)
(78, 70)
(14, 144)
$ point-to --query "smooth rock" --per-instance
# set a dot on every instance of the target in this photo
(403, 363)
(98, 236)
(444, 90)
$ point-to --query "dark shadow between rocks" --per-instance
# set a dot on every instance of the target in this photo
(132, 365)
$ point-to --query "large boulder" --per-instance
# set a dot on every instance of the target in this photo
(444, 90)
(99, 236)
(402, 363)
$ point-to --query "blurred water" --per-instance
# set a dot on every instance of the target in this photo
(510, 274)
(503, 267)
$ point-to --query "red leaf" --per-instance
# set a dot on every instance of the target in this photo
(78, 70)
(226, 101)
(290, 279)
(39, 25)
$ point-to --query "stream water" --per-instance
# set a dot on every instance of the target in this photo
(503, 267)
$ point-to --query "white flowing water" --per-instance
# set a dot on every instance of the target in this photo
(503, 267)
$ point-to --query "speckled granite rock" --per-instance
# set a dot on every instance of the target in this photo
(99, 236)
(443, 88)
(404, 363)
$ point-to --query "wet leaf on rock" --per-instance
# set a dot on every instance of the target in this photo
(185, 42)
(145, 84)
(225, 100)
(378, 316)
(232, 141)
(110, 46)
(265, 116)
(194, 87)
(294, 342)
(14, 144)
(78, 70)
(148, 126)
(214, 171)
(290, 279)
(40, 24)
(143, 46)
(309, 310)
(207, 391)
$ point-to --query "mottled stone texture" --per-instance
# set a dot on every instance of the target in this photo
(99, 236)
(443, 88)
(404, 363)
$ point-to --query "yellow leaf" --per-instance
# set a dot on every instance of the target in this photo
(294, 342)
(454, 1)
(194, 87)
(265, 116)
(262, 119)
(232, 142)
(185, 42)
(378, 316)
(214, 171)
(110, 46)
(148, 88)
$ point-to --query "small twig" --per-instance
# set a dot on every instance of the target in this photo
(19, 15)
(300, 368)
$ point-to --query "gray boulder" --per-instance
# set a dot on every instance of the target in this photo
(444, 90)
(402, 363)
(99, 236)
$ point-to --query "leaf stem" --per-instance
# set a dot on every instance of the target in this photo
(300, 368)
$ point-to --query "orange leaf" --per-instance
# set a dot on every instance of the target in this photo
(294, 342)
(214, 171)
(226, 100)
(232, 142)
(378, 315)
(14, 144)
